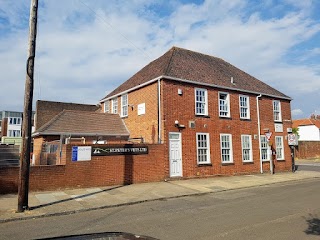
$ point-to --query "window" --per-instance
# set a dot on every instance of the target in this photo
(201, 101)
(14, 133)
(226, 148)
(114, 105)
(244, 107)
(224, 105)
(124, 105)
(246, 148)
(277, 111)
(203, 148)
(107, 106)
(15, 121)
(264, 148)
(279, 148)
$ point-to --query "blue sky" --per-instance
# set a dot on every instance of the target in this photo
(87, 48)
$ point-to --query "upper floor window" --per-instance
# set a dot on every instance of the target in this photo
(277, 111)
(244, 107)
(226, 148)
(15, 121)
(224, 104)
(124, 105)
(203, 148)
(114, 103)
(246, 148)
(279, 147)
(201, 101)
(107, 106)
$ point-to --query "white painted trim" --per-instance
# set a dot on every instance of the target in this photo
(248, 106)
(206, 101)
(231, 147)
(208, 148)
(229, 104)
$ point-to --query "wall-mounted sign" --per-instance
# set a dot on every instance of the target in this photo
(292, 139)
(82, 153)
(123, 150)
(141, 109)
(278, 127)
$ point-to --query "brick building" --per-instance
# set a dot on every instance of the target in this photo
(211, 116)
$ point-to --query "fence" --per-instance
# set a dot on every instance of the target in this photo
(308, 149)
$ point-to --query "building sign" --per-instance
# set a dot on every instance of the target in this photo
(268, 135)
(141, 109)
(82, 153)
(278, 127)
(292, 139)
(123, 150)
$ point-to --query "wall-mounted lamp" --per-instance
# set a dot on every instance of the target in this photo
(131, 105)
(178, 125)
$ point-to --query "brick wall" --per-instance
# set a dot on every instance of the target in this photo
(100, 171)
(182, 108)
(308, 149)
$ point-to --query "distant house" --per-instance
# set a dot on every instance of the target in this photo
(309, 129)
(211, 116)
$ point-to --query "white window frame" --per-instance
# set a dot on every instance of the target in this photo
(14, 133)
(246, 146)
(224, 105)
(15, 120)
(279, 147)
(124, 105)
(276, 110)
(203, 150)
(114, 105)
(244, 110)
(107, 106)
(225, 148)
(264, 148)
(201, 101)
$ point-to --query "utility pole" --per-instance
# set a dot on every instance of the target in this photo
(23, 185)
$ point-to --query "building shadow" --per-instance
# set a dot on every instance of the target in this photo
(70, 199)
(313, 225)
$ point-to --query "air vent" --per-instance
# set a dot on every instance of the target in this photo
(192, 124)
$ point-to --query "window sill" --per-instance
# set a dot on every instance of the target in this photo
(227, 164)
(204, 164)
(281, 160)
(203, 116)
(223, 117)
(245, 119)
(245, 163)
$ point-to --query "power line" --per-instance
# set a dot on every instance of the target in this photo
(110, 25)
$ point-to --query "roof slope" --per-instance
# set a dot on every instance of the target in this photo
(305, 122)
(84, 123)
(200, 68)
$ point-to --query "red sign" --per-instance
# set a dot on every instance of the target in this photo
(268, 135)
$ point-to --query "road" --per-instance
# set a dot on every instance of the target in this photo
(308, 166)
(279, 211)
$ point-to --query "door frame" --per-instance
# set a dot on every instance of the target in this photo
(180, 148)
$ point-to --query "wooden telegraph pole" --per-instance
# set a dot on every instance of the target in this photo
(23, 187)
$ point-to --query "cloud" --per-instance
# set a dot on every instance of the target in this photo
(87, 48)
(296, 113)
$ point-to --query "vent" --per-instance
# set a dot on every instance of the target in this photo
(192, 124)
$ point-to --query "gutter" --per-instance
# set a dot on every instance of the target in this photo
(159, 112)
(259, 131)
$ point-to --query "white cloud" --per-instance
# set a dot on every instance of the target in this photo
(296, 113)
(85, 48)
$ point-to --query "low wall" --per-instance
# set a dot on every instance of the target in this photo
(308, 149)
(100, 171)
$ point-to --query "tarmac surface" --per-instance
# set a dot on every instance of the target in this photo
(68, 201)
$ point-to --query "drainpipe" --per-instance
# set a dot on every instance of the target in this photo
(259, 131)
(159, 112)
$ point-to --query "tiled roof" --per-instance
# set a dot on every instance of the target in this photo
(84, 123)
(199, 68)
(305, 122)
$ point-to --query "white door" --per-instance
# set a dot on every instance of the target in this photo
(175, 154)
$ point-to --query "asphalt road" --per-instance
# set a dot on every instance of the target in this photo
(302, 166)
(279, 211)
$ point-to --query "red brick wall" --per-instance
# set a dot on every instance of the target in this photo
(308, 149)
(100, 171)
(182, 108)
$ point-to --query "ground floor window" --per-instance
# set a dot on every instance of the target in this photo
(203, 148)
(264, 148)
(246, 148)
(226, 148)
(279, 147)
(14, 133)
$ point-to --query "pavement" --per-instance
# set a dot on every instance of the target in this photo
(68, 201)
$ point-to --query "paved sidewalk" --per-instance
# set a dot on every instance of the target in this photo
(75, 200)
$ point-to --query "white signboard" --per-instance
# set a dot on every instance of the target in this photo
(82, 153)
(141, 109)
(278, 127)
(292, 139)
(268, 135)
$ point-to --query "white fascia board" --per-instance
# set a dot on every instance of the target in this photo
(192, 82)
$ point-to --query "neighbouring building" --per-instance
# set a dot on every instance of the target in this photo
(308, 128)
(11, 127)
(212, 117)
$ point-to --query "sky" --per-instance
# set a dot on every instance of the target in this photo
(86, 48)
